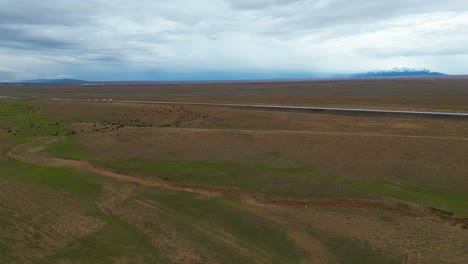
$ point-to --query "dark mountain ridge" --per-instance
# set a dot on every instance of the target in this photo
(66, 80)
(398, 72)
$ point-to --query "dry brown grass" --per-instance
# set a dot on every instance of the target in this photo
(427, 151)
(164, 235)
(43, 220)
(429, 161)
(403, 236)
(214, 117)
(423, 152)
(418, 240)
(447, 94)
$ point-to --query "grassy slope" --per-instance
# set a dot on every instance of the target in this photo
(298, 182)
(274, 180)
(452, 201)
(101, 247)
(342, 250)
(18, 116)
(116, 240)
(111, 241)
(83, 186)
(267, 179)
(228, 217)
(66, 148)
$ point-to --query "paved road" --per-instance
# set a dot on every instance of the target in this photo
(15, 98)
(342, 111)
(349, 111)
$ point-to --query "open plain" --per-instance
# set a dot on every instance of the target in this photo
(103, 182)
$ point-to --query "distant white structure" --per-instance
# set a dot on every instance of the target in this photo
(90, 84)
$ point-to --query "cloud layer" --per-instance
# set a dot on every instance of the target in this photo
(146, 39)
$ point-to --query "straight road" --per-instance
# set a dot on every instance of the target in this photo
(15, 98)
(348, 111)
(330, 110)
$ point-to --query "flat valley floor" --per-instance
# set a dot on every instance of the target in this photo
(94, 182)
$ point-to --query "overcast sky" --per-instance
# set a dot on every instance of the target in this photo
(203, 39)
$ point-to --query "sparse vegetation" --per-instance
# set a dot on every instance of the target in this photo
(260, 238)
(66, 148)
(115, 241)
(109, 183)
(343, 250)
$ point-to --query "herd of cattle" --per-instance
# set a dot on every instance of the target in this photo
(171, 116)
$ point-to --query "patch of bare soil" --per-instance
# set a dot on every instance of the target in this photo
(43, 220)
(414, 240)
(176, 244)
(116, 201)
(113, 196)
(312, 246)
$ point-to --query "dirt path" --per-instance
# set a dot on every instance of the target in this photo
(317, 254)
(256, 254)
(353, 134)
(29, 153)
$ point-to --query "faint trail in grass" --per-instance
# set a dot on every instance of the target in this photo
(257, 255)
(28, 153)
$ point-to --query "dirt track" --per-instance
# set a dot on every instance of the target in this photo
(28, 153)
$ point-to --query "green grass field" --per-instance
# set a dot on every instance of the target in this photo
(221, 217)
(115, 240)
(131, 223)
(295, 182)
(65, 148)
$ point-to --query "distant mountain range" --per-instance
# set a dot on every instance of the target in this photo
(398, 72)
(67, 80)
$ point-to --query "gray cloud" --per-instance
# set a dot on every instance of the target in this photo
(53, 37)
(260, 4)
(48, 12)
(29, 38)
(7, 75)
